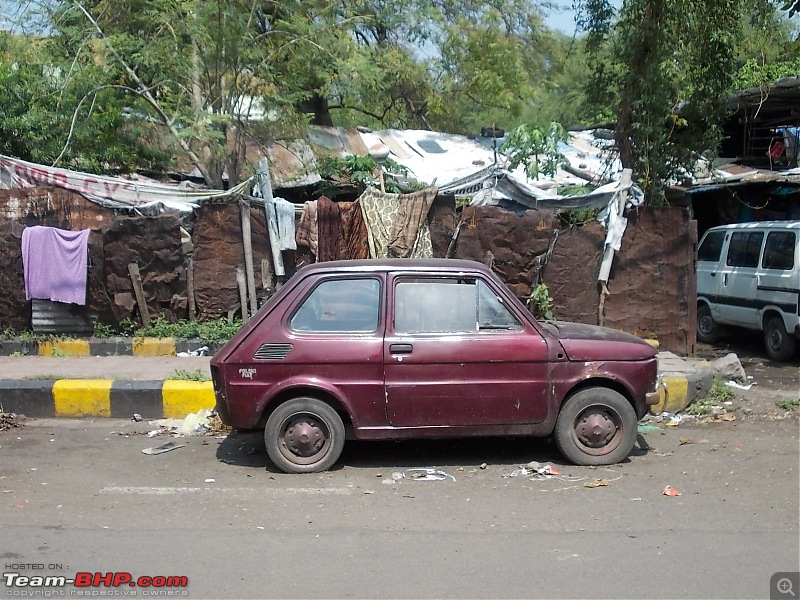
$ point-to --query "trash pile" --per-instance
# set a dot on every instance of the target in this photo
(419, 474)
(203, 422)
(10, 420)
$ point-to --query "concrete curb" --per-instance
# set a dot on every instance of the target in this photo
(681, 382)
(105, 398)
(113, 346)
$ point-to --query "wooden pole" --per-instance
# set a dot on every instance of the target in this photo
(265, 183)
(242, 292)
(136, 279)
(266, 276)
(190, 289)
(247, 242)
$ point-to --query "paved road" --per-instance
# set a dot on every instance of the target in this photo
(82, 496)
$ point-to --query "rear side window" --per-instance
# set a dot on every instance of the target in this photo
(779, 251)
(340, 305)
(456, 305)
(744, 248)
(711, 248)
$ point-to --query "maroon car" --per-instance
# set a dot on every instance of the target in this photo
(390, 349)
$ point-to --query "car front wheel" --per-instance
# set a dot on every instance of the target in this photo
(780, 345)
(304, 435)
(596, 426)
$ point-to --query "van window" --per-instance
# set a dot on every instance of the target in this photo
(711, 248)
(779, 251)
(744, 248)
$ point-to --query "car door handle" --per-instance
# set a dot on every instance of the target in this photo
(401, 348)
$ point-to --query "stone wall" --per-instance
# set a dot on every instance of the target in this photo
(154, 244)
(53, 207)
(218, 251)
(651, 289)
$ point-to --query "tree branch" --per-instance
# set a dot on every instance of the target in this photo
(144, 92)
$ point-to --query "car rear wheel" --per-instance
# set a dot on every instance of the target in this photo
(707, 328)
(304, 435)
(780, 344)
(596, 426)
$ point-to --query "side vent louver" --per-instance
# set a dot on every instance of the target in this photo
(272, 351)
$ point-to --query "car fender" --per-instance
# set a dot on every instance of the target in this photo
(302, 386)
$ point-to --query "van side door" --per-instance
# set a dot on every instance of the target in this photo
(779, 276)
(737, 296)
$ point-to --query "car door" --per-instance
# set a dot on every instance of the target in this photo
(455, 354)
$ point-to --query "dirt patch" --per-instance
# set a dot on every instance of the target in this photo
(775, 390)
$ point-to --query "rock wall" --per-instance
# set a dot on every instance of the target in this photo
(14, 308)
(154, 243)
(515, 240)
(571, 274)
(218, 251)
(53, 207)
(652, 282)
(651, 291)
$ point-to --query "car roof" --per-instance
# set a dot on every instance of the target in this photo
(383, 265)
(759, 225)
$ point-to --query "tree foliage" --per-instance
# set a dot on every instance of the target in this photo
(665, 65)
(206, 70)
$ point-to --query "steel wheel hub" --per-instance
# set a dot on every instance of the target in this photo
(304, 437)
(595, 429)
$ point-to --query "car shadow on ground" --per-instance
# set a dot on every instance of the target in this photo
(246, 449)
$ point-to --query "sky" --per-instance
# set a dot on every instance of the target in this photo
(563, 18)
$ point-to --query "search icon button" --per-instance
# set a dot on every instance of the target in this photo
(784, 585)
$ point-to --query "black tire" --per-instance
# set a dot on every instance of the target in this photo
(707, 327)
(596, 426)
(779, 343)
(304, 435)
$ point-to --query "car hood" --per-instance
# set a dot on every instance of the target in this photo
(590, 342)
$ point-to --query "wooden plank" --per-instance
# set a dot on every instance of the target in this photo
(136, 279)
(242, 292)
(247, 243)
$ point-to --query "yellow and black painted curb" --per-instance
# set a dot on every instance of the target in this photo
(105, 398)
(114, 346)
(677, 391)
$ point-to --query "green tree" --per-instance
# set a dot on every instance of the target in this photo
(205, 69)
(665, 54)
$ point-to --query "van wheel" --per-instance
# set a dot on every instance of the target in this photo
(780, 345)
(707, 327)
(304, 435)
(596, 426)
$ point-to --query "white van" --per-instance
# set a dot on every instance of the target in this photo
(748, 275)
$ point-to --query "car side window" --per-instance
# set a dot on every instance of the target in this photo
(340, 305)
(711, 248)
(449, 305)
(744, 249)
(779, 250)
